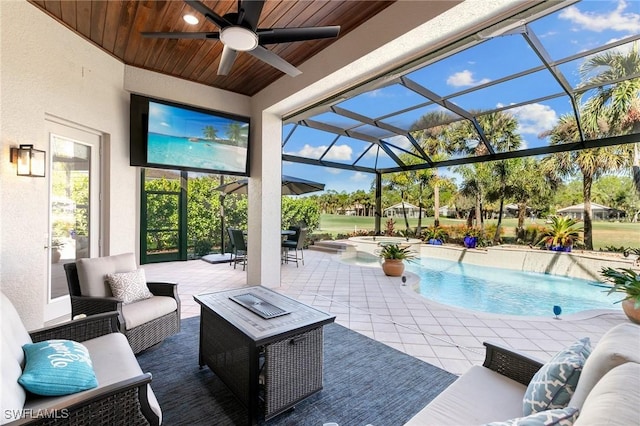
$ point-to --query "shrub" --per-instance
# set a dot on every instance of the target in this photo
(202, 247)
(531, 234)
(319, 237)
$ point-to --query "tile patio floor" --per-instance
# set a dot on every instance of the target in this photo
(365, 300)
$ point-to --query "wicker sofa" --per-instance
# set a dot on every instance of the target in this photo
(123, 395)
(606, 393)
(146, 322)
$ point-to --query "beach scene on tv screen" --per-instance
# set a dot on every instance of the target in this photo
(184, 138)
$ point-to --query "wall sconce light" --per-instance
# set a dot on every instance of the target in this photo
(30, 162)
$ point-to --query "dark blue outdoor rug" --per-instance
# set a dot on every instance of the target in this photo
(365, 382)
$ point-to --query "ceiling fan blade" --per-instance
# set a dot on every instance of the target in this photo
(274, 60)
(288, 35)
(208, 13)
(226, 60)
(250, 11)
(194, 35)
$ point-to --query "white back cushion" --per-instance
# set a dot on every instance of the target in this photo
(92, 272)
(619, 345)
(13, 335)
(614, 400)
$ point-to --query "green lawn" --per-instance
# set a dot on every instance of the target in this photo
(604, 233)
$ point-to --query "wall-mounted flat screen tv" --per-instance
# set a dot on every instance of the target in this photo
(168, 135)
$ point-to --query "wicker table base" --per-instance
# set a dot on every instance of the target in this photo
(269, 364)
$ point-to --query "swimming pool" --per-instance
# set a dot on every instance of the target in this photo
(504, 291)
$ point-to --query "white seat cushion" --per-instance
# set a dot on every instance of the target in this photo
(143, 311)
(479, 396)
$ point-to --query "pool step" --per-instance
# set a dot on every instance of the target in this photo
(330, 246)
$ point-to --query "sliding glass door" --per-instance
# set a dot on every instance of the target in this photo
(164, 216)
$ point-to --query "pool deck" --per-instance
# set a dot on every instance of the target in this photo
(365, 300)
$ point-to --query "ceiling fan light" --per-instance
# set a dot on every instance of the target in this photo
(239, 38)
(190, 19)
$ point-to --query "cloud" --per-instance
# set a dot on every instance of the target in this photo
(165, 124)
(376, 150)
(332, 171)
(616, 20)
(360, 177)
(464, 78)
(337, 152)
(400, 141)
(534, 118)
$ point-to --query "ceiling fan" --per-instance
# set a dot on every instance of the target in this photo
(239, 32)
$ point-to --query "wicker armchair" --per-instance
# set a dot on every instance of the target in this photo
(123, 397)
(140, 336)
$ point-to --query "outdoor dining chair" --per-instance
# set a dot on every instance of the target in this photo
(239, 247)
(295, 243)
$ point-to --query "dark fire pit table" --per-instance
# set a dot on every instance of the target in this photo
(267, 348)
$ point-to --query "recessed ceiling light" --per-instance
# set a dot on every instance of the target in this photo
(190, 19)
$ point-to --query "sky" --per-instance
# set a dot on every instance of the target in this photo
(577, 28)
(183, 122)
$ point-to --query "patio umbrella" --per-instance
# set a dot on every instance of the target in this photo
(290, 186)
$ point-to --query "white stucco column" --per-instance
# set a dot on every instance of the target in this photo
(264, 216)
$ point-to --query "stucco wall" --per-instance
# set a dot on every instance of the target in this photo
(48, 70)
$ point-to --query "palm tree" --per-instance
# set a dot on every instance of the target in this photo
(430, 131)
(500, 129)
(234, 132)
(209, 132)
(618, 103)
(591, 163)
(528, 185)
(401, 181)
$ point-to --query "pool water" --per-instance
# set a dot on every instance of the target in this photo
(504, 291)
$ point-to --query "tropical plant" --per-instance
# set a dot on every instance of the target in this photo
(472, 231)
(624, 280)
(435, 233)
(390, 227)
(57, 244)
(563, 231)
(397, 252)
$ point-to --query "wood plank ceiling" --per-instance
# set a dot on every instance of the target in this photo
(115, 27)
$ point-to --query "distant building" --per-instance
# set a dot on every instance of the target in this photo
(396, 210)
(598, 212)
(447, 211)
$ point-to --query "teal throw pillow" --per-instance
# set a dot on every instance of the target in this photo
(553, 385)
(558, 417)
(57, 367)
